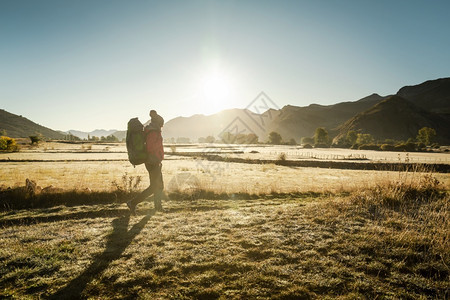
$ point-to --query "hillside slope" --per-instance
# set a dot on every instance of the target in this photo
(296, 122)
(397, 118)
(432, 95)
(20, 127)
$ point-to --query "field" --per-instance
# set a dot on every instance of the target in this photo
(230, 230)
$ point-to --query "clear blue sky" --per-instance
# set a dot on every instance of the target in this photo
(95, 64)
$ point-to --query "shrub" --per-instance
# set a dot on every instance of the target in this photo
(355, 147)
(400, 147)
(364, 138)
(435, 146)
(321, 136)
(351, 137)
(282, 156)
(292, 142)
(34, 139)
(341, 144)
(426, 135)
(307, 140)
(369, 147)
(410, 147)
(321, 145)
(307, 146)
(387, 147)
(8, 144)
(275, 138)
(129, 184)
(421, 147)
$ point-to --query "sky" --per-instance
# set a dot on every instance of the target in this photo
(89, 65)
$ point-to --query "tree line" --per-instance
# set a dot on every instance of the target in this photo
(364, 141)
(321, 139)
(109, 139)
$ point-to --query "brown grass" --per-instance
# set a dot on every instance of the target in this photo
(220, 177)
(388, 241)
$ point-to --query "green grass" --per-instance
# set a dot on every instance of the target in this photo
(363, 245)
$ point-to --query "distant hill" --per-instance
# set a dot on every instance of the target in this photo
(120, 134)
(290, 121)
(97, 133)
(432, 95)
(231, 120)
(296, 122)
(397, 118)
(19, 127)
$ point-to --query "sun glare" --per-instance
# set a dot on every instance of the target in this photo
(216, 91)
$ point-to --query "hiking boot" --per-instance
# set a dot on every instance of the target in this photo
(157, 201)
(132, 207)
(159, 208)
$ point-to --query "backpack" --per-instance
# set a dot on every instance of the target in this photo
(136, 149)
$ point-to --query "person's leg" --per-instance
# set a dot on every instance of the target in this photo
(157, 185)
(157, 196)
(144, 194)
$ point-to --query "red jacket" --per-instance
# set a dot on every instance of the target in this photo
(154, 144)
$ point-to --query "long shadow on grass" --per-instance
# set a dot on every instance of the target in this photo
(103, 213)
(116, 244)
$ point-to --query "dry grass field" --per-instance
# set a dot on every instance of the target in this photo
(74, 166)
(230, 230)
(190, 174)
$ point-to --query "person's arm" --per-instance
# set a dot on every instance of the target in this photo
(161, 121)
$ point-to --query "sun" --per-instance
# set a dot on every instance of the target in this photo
(215, 87)
(215, 91)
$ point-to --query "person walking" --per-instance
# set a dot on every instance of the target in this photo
(155, 155)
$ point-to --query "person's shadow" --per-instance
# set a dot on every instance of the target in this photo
(116, 244)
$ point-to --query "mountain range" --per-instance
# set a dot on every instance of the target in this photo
(397, 117)
(97, 133)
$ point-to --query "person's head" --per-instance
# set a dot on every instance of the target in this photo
(153, 113)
